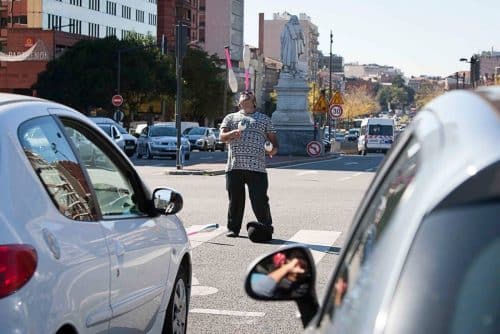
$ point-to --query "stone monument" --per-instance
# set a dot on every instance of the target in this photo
(292, 120)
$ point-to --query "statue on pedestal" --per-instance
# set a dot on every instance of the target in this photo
(292, 44)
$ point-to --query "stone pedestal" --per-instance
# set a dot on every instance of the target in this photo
(292, 120)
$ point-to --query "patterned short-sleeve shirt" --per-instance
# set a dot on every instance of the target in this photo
(248, 151)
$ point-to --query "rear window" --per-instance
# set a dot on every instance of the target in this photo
(450, 280)
(380, 130)
(160, 131)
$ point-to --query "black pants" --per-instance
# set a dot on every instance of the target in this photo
(257, 189)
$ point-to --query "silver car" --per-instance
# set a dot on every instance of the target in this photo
(161, 141)
(201, 138)
(85, 245)
(422, 255)
(120, 136)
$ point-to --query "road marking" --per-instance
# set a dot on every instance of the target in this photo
(198, 239)
(369, 170)
(308, 163)
(201, 290)
(307, 172)
(345, 178)
(351, 163)
(356, 174)
(227, 312)
(319, 242)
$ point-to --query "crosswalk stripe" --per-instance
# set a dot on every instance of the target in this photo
(319, 242)
(227, 312)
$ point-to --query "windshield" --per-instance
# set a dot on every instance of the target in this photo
(380, 130)
(216, 132)
(160, 131)
(196, 131)
(106, 128)
(122, 130)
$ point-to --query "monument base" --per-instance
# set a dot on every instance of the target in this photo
(294, 139)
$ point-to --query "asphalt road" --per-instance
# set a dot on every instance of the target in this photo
(311, 203)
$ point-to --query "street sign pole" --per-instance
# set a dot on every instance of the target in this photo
(180, 50)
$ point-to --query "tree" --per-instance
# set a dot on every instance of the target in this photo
(85, 75)
(359, 102)
(203, 86)
(426, 93)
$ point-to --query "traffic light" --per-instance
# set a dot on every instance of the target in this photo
(181, 38)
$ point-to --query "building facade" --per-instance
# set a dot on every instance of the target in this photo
(272, 40)
(173, 12)
(223, 26)
(371, 72)
(489, 64)
(53, 25)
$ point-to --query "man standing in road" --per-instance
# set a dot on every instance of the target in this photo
(247, 131)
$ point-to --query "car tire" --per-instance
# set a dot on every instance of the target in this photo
(148, 154)
(177, 310)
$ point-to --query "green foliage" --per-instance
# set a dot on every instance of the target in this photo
(203, 86)
(397, 96)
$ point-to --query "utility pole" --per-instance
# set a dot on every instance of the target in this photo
(328, 117)
(180, 52)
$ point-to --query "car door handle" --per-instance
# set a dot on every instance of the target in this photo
(119, 248)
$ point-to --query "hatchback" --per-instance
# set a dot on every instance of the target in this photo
(201, 138)
(422, 255)
(161, 140)
(120, 136)
(85, 246)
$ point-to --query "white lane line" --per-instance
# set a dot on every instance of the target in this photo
(345, 178)
(351, 163)
(307, 172)
(356, 174)
(308, 163)
(319, 242)
(369, 170)
(227, 312)
(198, 239)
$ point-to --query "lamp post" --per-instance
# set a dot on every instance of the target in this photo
(474, 69)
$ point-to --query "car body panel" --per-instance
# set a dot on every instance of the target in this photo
(160, 145)
(201, 138)
(73, 253)
(126, 141)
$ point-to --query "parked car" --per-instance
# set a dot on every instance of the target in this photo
(201, 138)
(120, 136)
(219, 144)
(161, 140)
(422, 252)
(352, 135)
(83, 248)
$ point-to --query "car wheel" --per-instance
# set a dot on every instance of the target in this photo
(177, 310)
(148, 153)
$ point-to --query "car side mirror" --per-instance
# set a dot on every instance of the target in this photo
(116, 133)
(167, 201)
(286, 274)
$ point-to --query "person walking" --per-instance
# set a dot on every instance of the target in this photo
(248, 133)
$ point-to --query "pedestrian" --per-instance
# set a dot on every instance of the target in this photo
(246, 132)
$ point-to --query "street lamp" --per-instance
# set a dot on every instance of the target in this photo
(474, 69)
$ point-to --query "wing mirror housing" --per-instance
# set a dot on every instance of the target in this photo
(167, 201)
(286, 274)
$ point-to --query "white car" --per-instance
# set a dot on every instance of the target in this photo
(120, 136)
(84, 247)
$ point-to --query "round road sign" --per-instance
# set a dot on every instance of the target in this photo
(336, 110)
(313, 148)
(117, 100)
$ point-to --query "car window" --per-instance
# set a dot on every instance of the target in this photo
(380, 130)
(115, 193)
(56, 165)
(106, 128)
(196, 131)
(450, 280)
(145, 131)
(160, 131)
(373, 222)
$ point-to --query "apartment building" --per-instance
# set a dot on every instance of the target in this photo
(58, 24)
(173, 12)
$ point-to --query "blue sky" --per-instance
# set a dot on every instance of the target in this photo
(419, 37)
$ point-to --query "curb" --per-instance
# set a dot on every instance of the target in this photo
(271, 165)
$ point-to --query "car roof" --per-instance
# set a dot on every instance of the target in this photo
(102, 120)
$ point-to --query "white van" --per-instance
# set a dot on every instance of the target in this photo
(376, 135)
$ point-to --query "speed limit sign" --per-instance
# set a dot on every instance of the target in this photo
(336, 110)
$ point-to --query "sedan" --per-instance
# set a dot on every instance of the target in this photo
(85, 246)
(422, 255)
(161, 140)
(219, 144)
(201, 138)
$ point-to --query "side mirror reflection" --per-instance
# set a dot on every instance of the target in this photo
(167, 201)
(286, 274)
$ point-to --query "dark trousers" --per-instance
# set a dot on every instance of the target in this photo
(257, 189)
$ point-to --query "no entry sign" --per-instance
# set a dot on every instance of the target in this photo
(117, 100)
(313, 148)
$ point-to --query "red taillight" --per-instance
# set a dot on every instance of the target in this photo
(17, 265)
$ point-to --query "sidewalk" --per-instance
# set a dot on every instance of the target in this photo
(218, 168)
